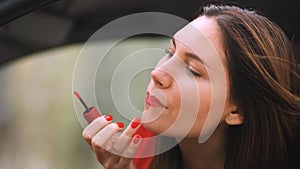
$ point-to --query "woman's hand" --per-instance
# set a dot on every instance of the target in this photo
(113, 150)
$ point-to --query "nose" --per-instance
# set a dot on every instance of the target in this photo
(161, 78)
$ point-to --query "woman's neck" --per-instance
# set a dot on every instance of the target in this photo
(208, 155)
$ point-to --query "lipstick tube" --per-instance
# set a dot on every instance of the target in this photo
(90, 113)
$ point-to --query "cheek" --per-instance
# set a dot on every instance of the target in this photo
(204, 107)
(188, 113)
(205, 99)
(188, 107)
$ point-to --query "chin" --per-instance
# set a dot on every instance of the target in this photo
(160, 130)
(151, 126)
(154, 127)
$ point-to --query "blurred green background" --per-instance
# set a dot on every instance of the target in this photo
(39, 128)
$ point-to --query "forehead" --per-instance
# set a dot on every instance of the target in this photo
(203, 37)
(209, 28)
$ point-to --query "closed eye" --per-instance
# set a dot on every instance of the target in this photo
(194, 73)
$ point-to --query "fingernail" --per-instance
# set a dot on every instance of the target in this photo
(135, 122)
(120, 124)
(136, 138)
(108, 117)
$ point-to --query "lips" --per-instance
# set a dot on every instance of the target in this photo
(153, 101)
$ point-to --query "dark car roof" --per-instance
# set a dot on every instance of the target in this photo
(32, 25)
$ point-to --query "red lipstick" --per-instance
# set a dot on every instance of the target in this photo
(90, 113)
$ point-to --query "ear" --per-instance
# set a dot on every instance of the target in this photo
(234, 118)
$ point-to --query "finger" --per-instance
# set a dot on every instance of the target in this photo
(130, 151)
(126, 136)
(102, 156)
(102, 139)
(125, 163)
(111, 162)
(121, 142)
(104, 135)
(132, 165)
(95, 126)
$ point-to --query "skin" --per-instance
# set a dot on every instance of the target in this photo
(210, 154)
(194, 70)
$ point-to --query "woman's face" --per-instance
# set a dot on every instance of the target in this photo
(179, 95)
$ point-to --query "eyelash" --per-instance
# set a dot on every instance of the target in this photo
(170, 54)
(196, 74)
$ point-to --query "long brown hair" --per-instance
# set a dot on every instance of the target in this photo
(264, 84)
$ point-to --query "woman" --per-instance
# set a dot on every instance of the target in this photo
(259, 125)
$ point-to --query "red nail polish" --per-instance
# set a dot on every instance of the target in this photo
(136, 139)
(108, 117)
(120, 124)
(135, 122)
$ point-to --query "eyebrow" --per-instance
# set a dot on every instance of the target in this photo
(190, 55)
(193, 56)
